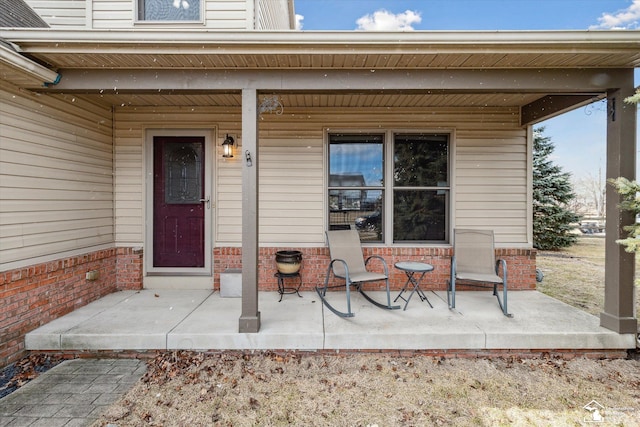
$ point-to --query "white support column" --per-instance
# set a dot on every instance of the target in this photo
(250, 317)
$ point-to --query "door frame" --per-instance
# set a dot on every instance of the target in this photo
(161, 276)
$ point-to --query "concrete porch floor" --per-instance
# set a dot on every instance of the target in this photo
(202, 320)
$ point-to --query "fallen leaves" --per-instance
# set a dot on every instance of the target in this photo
(279, 388)
(25, 370)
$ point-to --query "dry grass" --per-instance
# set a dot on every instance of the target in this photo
(576, 275)
(268, 389)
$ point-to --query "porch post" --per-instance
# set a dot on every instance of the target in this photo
(619, 299)
(250, 317)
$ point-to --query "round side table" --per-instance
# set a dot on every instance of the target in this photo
(411, 269)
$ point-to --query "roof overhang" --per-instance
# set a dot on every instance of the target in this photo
(22, 71)
(450, 64)
(194, 49)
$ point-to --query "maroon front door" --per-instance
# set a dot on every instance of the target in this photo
(178, 207)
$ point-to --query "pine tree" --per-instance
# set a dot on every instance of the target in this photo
(552, 192)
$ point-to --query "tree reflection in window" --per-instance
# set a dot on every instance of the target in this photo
(169, 10)
(183, 183)
(421, 188)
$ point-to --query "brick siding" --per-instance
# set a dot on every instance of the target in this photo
(35, 295)
(521, 265)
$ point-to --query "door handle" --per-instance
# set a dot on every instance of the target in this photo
(208, 201)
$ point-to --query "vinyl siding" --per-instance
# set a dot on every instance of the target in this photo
(491, 183)
(112, 14)
(61, 13)
(490, 160)
(273, 15)
(56, 185)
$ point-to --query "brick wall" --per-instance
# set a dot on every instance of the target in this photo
(35, 295)
(521, 265)
(129, 268)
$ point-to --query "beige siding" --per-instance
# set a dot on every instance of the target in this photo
(291, 193)
(112, 14)
(56, 173)
(105, 14)
(491, 183)
(273, 15)
(490, 157)
(61, 13)
(229, 14)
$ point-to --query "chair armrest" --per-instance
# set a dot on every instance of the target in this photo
(502, 262)
(344, 264)
(384, 263)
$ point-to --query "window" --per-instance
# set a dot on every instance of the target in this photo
(169, 10)
(415, 184)
(356, 193)
(420, 188)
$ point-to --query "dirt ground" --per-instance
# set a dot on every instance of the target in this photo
(269, 389)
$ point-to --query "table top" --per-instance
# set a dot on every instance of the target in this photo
(413, 266)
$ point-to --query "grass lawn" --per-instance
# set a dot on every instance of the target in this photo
(575, 275)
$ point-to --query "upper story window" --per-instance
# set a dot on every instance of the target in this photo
(169, 10)
(403, 200)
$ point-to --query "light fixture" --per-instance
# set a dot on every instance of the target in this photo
(227, 147)
(271, 104)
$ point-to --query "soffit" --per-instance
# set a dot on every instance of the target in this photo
(319, 100)
(137, 49)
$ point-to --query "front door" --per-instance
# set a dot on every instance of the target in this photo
(179, 201)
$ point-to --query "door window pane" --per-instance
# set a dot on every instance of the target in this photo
(183, 163)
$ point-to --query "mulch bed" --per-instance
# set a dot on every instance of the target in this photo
(20, 373)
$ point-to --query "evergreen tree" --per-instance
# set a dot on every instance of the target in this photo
(630, 192)
(552, 192)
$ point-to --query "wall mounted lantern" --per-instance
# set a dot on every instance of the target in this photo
(227, 147)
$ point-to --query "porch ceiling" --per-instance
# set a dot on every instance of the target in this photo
(320, 100)
(124, 53)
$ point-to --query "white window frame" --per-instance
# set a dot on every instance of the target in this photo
(138, 21)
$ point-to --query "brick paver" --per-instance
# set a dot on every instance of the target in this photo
(73, 393)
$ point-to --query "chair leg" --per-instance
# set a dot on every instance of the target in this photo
(323, 291)
(451, 284)
(388, 306)
(502, 303)
(451, 292)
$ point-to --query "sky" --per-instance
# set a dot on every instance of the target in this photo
(580, 135)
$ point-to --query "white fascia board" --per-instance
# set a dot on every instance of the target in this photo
(300, 39)
(13, 59)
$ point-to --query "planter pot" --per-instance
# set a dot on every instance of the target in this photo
(288, 262)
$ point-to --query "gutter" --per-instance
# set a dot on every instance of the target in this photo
(11, 58)
(101, 39)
